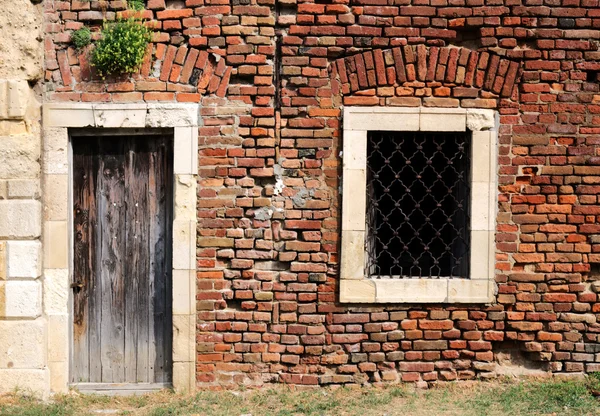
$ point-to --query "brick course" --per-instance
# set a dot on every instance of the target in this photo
(271, 77)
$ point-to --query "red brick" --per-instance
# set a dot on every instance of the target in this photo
(167, 63)
(174, 14)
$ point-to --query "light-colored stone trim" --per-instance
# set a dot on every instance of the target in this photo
(58, 118)
(480, 287)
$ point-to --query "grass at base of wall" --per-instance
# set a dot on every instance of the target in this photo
(500, 397)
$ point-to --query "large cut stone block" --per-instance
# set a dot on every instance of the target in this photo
(183, 376)
(19, 299)
(56, 291)
(59, 376)
(20, 219)
(183, 345)
(3, 99)
(31, 381)
(56, 190)
(56, 143)
(56, 241)
(24, 259)
(19, 156)
(2, 260)
(172, 115)
(24, 188)
(185, 198)
(18, 97)
(22, 344)
(58, 338)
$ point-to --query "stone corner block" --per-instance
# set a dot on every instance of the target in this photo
(21, 299)
(172, 115)
(469, 291)
(357, 291)
(111, 116)
(22, 344)
(20, 219)
(186, 150)
(24, 259)
(185, 198)
(68, 115)
(24, 188)
(481, 119)
(3, 260)
(183, 339)
(56, 291)
(14, 99)
(56, 144)
(36, 382)
(184, 376)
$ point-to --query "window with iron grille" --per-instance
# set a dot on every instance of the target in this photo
(418, 197)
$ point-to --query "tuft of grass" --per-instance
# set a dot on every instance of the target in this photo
(594, 381)
(136, 4)
(131, 4)
(81, 37)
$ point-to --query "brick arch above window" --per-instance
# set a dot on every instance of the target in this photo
(467, 71)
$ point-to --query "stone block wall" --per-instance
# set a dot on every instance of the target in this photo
(271, 77)
(23, 327)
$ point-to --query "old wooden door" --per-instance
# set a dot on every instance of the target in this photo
(122, 219)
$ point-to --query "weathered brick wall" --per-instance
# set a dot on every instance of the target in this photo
(271, 77)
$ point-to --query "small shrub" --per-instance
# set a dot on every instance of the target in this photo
(136, 4)
(81, 38)
(121, 48)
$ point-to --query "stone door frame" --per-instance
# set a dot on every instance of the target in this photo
(58, 118)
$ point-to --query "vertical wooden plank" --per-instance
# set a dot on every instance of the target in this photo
(111, 213)
(95, 299)
(131, 281)
(83, 213)
(161, 215)
(169, 201)
(86, 322)
(80, 367)
(95, 287)
(153, 222)
(137, 273)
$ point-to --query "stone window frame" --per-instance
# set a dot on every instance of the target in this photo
(58, 118)
(480, 287)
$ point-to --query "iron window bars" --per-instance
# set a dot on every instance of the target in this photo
(418, 204)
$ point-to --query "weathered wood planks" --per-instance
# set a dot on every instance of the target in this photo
(122, 210)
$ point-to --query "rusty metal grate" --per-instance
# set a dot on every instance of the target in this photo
(418, 198)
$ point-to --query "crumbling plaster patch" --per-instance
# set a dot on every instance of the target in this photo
(21, 46)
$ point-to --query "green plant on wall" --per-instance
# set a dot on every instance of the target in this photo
(121, 48)
(135, 4)
(81, 38)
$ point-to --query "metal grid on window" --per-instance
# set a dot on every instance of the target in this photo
(418, 198)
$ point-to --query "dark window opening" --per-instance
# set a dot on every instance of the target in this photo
(594, 271)
(418, 204)
(468, 37)
(591, 76)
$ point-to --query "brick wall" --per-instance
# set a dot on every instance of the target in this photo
(271, 77)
